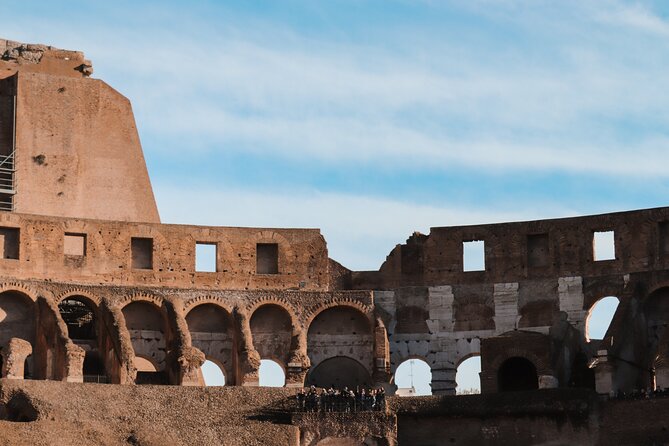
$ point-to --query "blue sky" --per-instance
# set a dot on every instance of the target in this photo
(372, 119)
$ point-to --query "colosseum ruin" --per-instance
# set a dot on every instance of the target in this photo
(105, 321)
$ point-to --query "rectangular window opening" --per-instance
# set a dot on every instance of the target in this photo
(142, 253)
(603, 245)
(205, 257)
(538, 254)
(9, 243)
(267, 258)
(473, 255)
(74, 244)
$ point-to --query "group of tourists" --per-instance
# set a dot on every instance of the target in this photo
(639, 394)
(344, 400)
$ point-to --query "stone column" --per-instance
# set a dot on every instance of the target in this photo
(570, 291)
(443, 381)
(248, 359)
(382, 373)
(604, 374)
(298, 362)
(505, 296)
(14, 356)
(74, 363)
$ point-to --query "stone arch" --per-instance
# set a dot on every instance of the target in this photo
(367, 310)
(421, 385)
(341, 331)
(221, 368)
(274, 300)
(541, 364)
(213, 331)
(81, 315)
(594, 310)
(517, 373)
(271, 381)
(339, 372)
(272, 331)
(92, 298)
(147, 326)
(144, 363)
(154, 299)
(458, 371)
(19, 288)
(18, 315)
(200, 300)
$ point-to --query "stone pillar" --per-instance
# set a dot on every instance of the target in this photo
(248, 359)
(298, 362)
(14, 356)
(189, 362)
(570, 291)
(604, 374)
(74, 363)
(381, 374)
(506, 317)
(440, 300)
(443, 381)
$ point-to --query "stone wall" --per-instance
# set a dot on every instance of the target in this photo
(107, 255)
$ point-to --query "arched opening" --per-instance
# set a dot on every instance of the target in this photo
(517, 374)
(413, 377)
(342, 337)
(467, 376)
(145, 324)
(147, 372)
(339, 372)
(80, 317)
(272, 329)
(212, 374)
(212, 332)
(17, 317)
(599, 317)
(271, 374)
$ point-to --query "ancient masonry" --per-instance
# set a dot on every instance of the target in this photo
(93, 288)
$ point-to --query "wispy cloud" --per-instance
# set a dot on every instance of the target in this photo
(637, 17)
(269, 89)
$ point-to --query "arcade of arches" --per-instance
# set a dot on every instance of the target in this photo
(340, 344)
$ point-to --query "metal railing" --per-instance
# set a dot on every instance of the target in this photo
(100, 379)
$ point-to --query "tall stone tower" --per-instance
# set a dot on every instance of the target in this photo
(69, 145)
